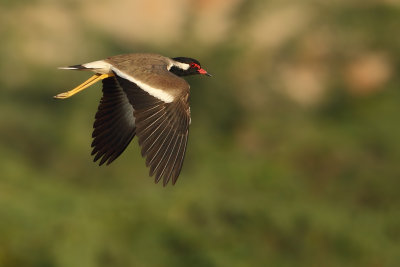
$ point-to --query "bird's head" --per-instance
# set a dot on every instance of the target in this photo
(183, 66)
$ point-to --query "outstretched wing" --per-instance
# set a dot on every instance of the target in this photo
(114, 125)
(162, 129)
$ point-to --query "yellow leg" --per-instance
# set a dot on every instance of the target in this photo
(92, 80)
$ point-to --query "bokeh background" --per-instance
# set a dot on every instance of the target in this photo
(293, 151)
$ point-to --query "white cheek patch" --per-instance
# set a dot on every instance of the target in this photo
(180, 65)
(156, 92)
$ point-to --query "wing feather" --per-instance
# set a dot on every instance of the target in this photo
(162, 129)
(114, 125)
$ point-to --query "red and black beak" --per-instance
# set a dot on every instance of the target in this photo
(204, 72)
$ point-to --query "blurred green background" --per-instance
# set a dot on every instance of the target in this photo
(293, 151)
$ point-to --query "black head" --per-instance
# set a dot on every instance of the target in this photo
(187, 66)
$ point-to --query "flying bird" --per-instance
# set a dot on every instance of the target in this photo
(143, 95)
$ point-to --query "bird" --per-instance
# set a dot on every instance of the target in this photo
(144, 95)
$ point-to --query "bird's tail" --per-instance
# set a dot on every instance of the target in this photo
(101, 69)
(75, 67)
(99, 66)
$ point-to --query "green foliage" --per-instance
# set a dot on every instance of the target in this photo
(267, 180)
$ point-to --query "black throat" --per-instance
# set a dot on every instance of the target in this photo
(178, 71)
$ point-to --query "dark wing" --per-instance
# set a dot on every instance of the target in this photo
(114, 125)
(162, 129)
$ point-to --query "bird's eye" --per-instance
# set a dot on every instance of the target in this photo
(195, 66)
